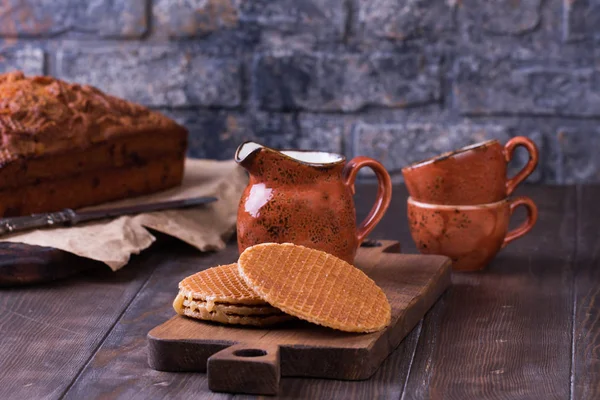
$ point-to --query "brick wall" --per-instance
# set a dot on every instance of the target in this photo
(397, 80)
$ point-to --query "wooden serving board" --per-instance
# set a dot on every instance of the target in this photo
(23, 264)
(250, 360)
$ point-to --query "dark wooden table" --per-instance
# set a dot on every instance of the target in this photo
(527, 328)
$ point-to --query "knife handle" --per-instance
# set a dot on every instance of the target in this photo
(17, 224)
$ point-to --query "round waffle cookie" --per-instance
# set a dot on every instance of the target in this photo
(219, 294)
(315, 286)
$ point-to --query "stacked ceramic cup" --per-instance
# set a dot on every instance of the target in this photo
(460, 204)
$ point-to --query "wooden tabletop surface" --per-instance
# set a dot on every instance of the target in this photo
(526, 328)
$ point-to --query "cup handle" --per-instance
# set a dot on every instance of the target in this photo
(384, 191)
(509, 149)
(527, 225)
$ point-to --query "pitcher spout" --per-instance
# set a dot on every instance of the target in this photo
(246, 154)
(264, 163)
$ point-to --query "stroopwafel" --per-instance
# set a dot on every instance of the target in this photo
(219, 294)
(315, 286)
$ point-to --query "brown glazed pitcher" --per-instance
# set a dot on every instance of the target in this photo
(305, 198)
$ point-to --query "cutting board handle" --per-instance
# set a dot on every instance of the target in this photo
(249, 369)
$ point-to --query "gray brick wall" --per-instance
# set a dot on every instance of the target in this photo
(397, 80)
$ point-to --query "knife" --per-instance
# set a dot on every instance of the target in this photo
(69, 217)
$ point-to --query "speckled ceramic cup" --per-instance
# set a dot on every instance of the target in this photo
(470, 235)
(472, 175)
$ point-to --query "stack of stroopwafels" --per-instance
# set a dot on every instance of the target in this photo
(273, 283)
(218, 294)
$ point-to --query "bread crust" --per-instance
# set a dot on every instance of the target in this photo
(56, 134)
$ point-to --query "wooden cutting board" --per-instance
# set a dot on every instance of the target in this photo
(23, 264)
(248, 360)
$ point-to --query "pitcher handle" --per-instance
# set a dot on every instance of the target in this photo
(384, 191)
(509, 149)
(527, 225)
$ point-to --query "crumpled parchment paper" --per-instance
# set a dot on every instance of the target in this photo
(113, 241)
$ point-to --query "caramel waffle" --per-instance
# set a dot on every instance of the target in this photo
(315, 286)
(218, 294)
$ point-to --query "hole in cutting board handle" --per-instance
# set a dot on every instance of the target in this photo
(249, 353)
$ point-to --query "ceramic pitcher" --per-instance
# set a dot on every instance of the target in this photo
(305, 198)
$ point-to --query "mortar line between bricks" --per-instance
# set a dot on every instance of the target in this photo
(547, 117)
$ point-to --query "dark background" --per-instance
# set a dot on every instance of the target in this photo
(397, 80)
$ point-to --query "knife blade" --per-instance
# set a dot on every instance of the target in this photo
(69, 217)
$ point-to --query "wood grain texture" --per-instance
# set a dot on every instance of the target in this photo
(119, 369)
(48, 332)
(505, 333)
(387, 383)
(586, 329)
(243, 369)
(412, 284)
(23, 264)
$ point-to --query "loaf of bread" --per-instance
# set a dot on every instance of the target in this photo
(67, 145)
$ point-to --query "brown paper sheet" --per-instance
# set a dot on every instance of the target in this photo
(114, 241)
